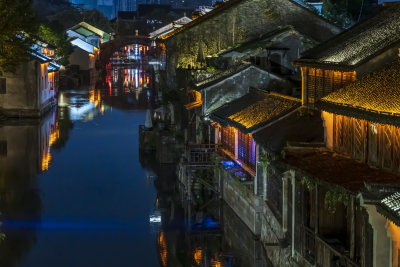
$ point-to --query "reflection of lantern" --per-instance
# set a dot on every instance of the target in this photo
(198, 255)
(163, 248)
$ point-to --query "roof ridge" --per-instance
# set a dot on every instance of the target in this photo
(287, 97)
(305, 58)
(231, 3)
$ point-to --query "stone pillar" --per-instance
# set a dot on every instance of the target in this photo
(236, 143)
(284, 203)
(265, 184)
(395, 235)
(382, 243)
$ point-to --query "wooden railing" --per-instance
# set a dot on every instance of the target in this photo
(319, 252)
(200, 154)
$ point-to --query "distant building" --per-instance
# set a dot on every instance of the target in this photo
(159, 33)
(86, 40)
(31, 90)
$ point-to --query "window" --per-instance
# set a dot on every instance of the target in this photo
(3, 85)
(3, 148)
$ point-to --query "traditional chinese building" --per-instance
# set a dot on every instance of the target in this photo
(31, 90)
(365, 47)
(89, 34)
(236, 22)
(234, 83)
(239, 120)
(332, 202)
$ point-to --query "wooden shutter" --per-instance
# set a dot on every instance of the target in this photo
(386, 134)
(347, 136)
(338, 132)
(319, 84)
(311, 86)
(359, 138)
(396, 149)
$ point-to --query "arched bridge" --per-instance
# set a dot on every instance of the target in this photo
(107, 49)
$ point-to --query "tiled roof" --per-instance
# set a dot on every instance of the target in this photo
(36, 52)
(223, 75)
(332, 168)
(386, 198)
(105, 36)
(301, 23)
(169, 27)
(83, 45)
(358, 44)
(392, 203)
(255, 110)
(374, 97)
(85, 32)
(54, 66)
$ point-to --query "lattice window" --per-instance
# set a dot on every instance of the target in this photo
(348, 77)
(359, 138)
(347, 136)
(338, 132)
(386, 146)
(319, 84)
(337, 80)
(328, 86)
(396, 149)
(228, 139)
(246, 149)
(311, 86)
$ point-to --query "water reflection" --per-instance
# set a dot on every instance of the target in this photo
(25, 153)
(129, 87)
(74, 191)
(202, 231)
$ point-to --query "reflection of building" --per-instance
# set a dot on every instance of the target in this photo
(24, 153)
(131, 84)
(82, 106)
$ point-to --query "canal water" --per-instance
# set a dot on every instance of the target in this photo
(76, 191)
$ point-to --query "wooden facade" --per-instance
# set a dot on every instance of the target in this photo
(228, 137)
(318, 83)
(247, 149)
(239, 146)
(373, 143)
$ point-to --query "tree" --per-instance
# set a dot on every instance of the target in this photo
(346, 12)
(97, 19)
(54, 34)
(17, 25)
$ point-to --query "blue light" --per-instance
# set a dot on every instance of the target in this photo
(228, 163)
(210, 223)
